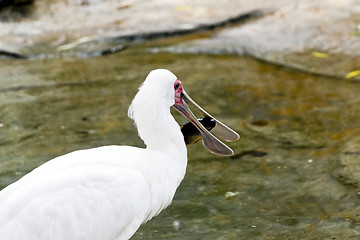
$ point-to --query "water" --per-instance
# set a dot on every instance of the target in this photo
(291, 125)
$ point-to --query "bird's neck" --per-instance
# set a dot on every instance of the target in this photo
(160, 132)
(163, 137)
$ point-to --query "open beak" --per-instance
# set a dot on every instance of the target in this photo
(210, 142)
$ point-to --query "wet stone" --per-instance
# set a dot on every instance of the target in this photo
(347, 167)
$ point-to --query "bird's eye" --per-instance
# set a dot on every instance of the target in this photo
(177, 85)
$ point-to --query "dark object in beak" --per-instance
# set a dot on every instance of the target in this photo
(210, 142)
(221, 130)
(191, 133)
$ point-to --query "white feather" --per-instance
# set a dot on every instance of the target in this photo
(103, 193)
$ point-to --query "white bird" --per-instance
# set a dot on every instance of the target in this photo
(106, 193)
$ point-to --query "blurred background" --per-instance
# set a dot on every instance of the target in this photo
(284, 74)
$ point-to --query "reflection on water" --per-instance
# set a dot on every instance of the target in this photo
(51, 107)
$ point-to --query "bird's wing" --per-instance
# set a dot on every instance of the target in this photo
(119, 156)
(82, 202)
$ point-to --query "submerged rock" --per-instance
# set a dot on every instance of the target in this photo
(347, 163)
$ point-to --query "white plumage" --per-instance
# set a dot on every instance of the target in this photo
(104, 193)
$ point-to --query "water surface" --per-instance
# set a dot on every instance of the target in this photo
(278, 185)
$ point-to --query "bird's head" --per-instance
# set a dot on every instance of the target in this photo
(162, 88)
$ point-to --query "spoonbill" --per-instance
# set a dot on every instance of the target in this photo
(106, 193)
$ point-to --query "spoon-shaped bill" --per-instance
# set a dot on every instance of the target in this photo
(221, 130)
(191, 134)
(210, 142)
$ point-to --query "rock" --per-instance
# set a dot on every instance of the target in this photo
(292, 35)
(316, 36)
(100, 19)
(15, 10)
(347, 167)
(6, 3)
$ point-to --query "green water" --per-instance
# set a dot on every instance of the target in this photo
(281, 178)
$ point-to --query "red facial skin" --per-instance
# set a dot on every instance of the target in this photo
(178, 90)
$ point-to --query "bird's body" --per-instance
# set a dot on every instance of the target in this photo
(90, 194)
(104, 193)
